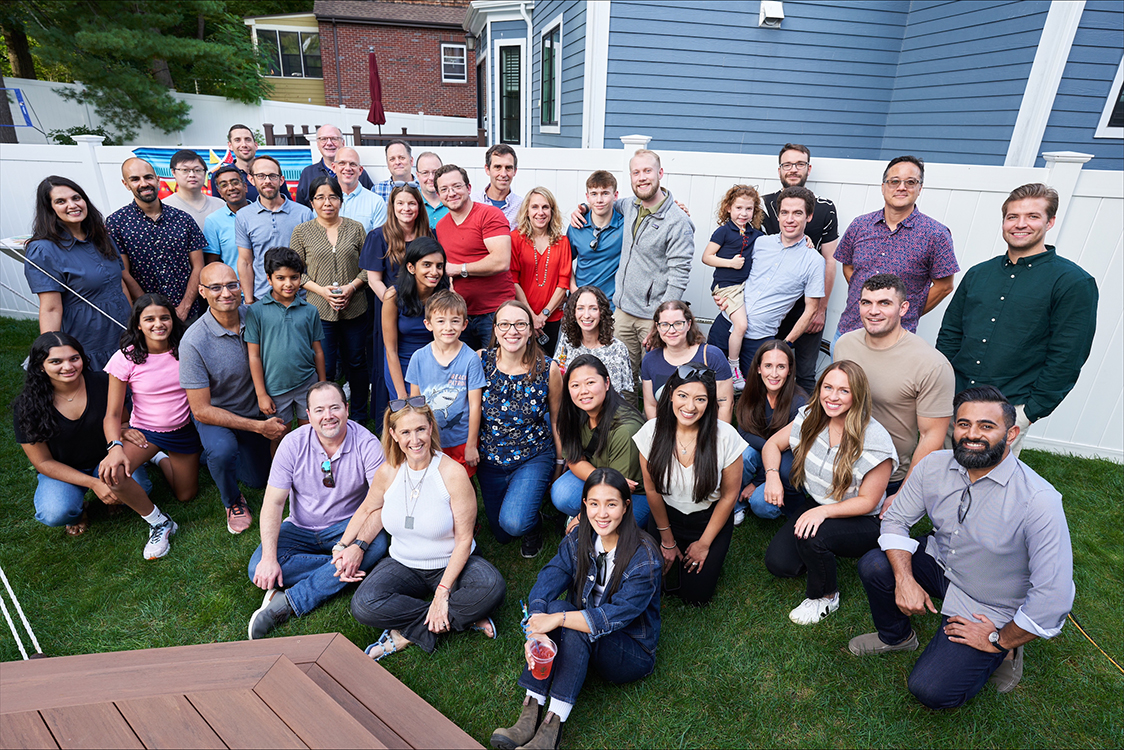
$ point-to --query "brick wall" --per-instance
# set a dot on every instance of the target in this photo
(409, 65)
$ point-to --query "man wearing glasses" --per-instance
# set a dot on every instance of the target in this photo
(901, 240)
(190, 173)
(240, 142)
(596, 246)
(999, 558)
(263, 225)
(218, 228)
(400, 162)
(324, 470)
(329, 140)
(428, 164)
(365, 206)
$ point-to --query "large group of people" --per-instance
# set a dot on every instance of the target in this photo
(488, 341)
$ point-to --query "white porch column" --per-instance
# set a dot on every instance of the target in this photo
(1065, 168)
(88, 148)
(630, 144)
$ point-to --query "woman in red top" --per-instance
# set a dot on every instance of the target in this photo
(540, 263)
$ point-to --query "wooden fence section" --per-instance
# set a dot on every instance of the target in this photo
(307, 136)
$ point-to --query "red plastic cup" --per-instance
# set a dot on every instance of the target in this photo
(543, 651)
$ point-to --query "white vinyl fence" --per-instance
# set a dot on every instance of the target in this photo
(967, 199)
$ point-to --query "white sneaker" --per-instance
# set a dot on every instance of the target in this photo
(812, 611)
(159, 541)
(739, 381)
(739, 517)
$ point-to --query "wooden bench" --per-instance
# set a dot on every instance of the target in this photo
(303, 691)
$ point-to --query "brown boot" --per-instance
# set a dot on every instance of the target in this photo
(548, 736)
(523, 730)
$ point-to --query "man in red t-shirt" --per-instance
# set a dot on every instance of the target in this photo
(477, 243)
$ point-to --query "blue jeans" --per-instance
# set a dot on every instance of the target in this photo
(307, 571)
(720, 337)
(59, 503)
(752, 473)
(617, 657)
(566, 494)
(345, 341)
(234, 455)
(514, 494)
(478, 334)
(947, 674)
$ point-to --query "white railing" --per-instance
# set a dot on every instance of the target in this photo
(966, 198)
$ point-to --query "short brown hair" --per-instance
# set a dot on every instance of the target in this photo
(501, 149)
(601, 179)
(801, 193)
(795, 147)
(447, 301)
(1035, 190)
(694, 335)
(446, 169)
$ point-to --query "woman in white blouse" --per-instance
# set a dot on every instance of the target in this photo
(691, 462)
(430, 582)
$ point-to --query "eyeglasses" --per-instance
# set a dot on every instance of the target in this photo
(445, 190)
(398, 404)
(229, 182)
(197, 171)
(233, 286)
(326, 467)
(399, 183)
(330, 198)
(269, 177)
(896, 182)
(506, 326)
(788, 166)
(330, 139)
(695, 371)
(677, 325)
(965, 504)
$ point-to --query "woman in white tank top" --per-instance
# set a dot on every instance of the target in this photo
(430, 582)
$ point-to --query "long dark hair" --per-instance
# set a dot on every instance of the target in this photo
(570, 328)
(755, 398)
(48, 226)
(571, 418)
(34, 406)
(708, 473)
(392, 231)
(630, 537)
(406, 286)
(533, 356)
(133, 343)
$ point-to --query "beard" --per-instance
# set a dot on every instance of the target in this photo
(972, 459)
(651, 192)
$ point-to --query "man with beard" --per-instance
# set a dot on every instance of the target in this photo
(324, 471)
(1024, 320)
(263, 225)
(218, 227)
(241, 143)
(161, 247)
(999, 557)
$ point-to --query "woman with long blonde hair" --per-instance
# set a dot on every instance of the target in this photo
(843, 458)
(541, 262)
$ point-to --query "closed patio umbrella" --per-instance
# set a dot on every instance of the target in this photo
(375, 115)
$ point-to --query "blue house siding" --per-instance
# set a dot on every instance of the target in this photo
(573, 70)
(1084, 89)
(708, 79)
(961, 78)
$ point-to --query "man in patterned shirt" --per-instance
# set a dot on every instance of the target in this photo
(901, 240)
(161, 247)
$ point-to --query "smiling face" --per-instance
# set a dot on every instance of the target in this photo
(69, 206)
(326, 203)
(399, 162)
(155, 324)
(672, 327)
(243, 145)
(1025, 225)
(227, 295)
(286, 282)
(414, 435)
(539, 212)
(428, 271)
(231, 188)
(835, 393)
(742, 210)
(605, 508)
(980, 435)
(63, 365)
(881, 311)
(427, 170)
(405, 209)
(327, 411)
(454, 191)
(688, 403)
(773, 370)
(266, 176)
(347, 168)
(138, 176)
(902, 196)
(792, 214)
(446, 325)
(645, 175)
(518, 324)
(600, 200)
(587, 312)
(329, 139)
(501, 172)
(794, 168)
(587, 389)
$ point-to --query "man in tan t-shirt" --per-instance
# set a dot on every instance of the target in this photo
(911, 383)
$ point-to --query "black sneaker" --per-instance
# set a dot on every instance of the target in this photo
(531, 544)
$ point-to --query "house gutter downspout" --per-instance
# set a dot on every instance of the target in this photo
(527, 72)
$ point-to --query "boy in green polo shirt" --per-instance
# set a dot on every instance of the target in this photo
(283, 335)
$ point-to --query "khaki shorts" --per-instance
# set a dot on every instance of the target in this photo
(734, 295)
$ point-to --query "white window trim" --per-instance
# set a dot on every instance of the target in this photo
(596, 76)
(494, 99)
(463, 48)
(554, 23)
(307, 31)
(1103, 130)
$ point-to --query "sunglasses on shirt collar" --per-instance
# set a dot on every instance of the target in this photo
(695, 371)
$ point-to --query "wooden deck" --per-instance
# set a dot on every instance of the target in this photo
(316, 691)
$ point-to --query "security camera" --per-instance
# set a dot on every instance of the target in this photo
(772, 13)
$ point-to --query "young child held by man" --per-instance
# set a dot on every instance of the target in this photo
(283, 335)
(730, 253)
(450, 377)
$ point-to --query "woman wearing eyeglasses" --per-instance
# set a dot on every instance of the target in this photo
(843, 458)
(329, 246)
(519, 452)
(431, 580)
(680, 341)
(587, 328)
(540, 262)
(692, 466)
(403, 312)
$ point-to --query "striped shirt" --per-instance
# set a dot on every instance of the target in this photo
(820, 460)
(332, 265)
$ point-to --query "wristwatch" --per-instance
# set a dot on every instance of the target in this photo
(545, 312)
(361, 544)
(464, 270)
(109, 446)
(993, 639)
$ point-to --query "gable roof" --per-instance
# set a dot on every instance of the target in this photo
(388, 13)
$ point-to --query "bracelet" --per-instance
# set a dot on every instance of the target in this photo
(663, 528)
(776, 470)
(563, 618)
(666, 547)
(339, 547)
(442, 586)
(361, 544)
(560, 461)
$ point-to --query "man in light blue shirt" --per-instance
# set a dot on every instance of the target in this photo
(218, 227)
(500, 164)
(400, 162)
(263, 225)
(359, 203)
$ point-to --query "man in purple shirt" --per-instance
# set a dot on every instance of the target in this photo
(324, 469)
(900, 240)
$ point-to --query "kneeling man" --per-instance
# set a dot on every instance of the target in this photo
(999, 556)
(324, 469)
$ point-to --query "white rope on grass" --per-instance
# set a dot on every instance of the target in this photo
(19, 609)
(12, 627)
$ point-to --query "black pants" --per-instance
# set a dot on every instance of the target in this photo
(788, 556)
(695, 588)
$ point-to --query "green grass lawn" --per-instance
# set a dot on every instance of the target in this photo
(734, 674)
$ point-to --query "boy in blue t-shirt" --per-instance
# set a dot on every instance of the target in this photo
(730, 253)
(283, 335)
(451, 378)
(596, 246)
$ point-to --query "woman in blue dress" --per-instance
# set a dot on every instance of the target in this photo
(403, 312)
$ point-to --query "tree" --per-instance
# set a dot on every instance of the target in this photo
(130, 55)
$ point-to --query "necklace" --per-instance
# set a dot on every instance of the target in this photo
(412, 492)
(682, 448)
(545, 268)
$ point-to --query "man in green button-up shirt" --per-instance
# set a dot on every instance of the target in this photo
(1022, 321)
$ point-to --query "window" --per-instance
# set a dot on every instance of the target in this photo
(1111, 124)
(551, 68)
(1116, 116)
(511, 123)
(454, 63)
(291, 54)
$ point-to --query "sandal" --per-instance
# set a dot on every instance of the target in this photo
(495, 633)
(386, 642)
(79, 528)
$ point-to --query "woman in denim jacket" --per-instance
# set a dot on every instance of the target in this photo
(610, 618)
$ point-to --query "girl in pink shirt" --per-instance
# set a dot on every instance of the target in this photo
(148, 362)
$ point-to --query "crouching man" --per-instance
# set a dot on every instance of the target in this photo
(999, 557)
(324, 469)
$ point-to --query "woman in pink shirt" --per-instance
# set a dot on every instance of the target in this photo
(148, 362)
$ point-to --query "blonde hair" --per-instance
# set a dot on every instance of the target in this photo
(390, 448)
(523, 219)
(740, 191)
(646, 152)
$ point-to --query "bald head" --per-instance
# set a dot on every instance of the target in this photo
(140, 179)
(329, 139)
(216, 273)
(219, 276)
(347, 168)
